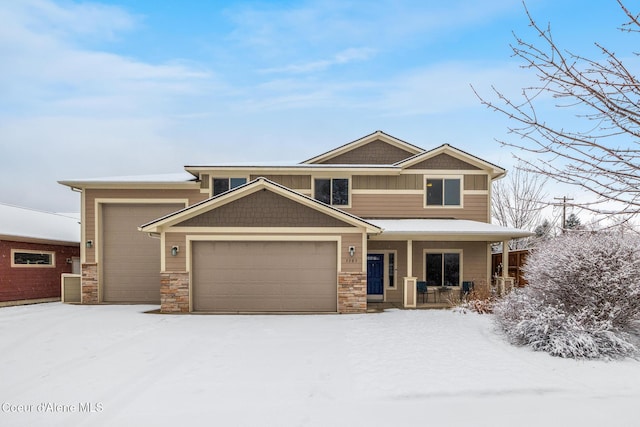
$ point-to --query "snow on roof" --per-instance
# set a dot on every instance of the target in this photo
(290, 165)
(158, 178)
(28, 223)
(447, 227)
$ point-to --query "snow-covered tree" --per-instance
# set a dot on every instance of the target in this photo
(544, 231)
(573, 222)
(583, 297)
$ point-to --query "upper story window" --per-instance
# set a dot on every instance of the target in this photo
(29, 258)
(443, 192)
(334, 191)
(221, 185)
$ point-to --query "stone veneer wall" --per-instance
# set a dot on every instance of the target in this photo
(174, 292)
(352, 292)
(89, 284)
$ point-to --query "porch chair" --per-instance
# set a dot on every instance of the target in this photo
(423, 289)
(467, 287)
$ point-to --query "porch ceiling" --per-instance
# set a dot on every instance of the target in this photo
(444, 229)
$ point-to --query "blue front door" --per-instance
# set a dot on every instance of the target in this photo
(375, 274)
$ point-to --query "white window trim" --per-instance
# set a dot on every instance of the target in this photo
(443, 251)
(228, 178)
(52, 254)
(443, 206)
(387, 284)
(386, 252)
(332, 177)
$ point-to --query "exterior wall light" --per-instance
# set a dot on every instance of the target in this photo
(175, 250)
(352, 250)
(89, 244)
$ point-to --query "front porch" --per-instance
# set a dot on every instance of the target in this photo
(376, 307)
(429, 263)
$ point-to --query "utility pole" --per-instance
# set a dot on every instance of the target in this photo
(564, 211)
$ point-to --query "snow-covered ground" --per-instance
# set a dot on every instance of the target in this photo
(116, 365)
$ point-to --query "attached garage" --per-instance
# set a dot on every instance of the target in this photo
(264, 276)
(133, 272)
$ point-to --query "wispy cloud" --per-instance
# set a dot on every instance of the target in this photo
(344, 57)
(73, 21)
(276, 69)
(279, 30)
(46, 65)
(446, 87)
(69, 107)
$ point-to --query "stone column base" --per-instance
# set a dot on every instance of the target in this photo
(174, 292)
(352, 292)
(89, 284)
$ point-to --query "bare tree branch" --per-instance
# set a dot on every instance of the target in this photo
(603, 156)
(517, 201)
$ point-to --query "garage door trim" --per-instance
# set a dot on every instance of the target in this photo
(98, 216)
(263, 238)
(98, 229)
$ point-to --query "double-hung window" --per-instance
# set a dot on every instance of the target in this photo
(443, 192)
(443, 268)
(221, 185)
(332, 191)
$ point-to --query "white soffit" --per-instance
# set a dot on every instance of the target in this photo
(464, 229)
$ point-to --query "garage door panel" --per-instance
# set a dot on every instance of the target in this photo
(265, 276)
(131, 259)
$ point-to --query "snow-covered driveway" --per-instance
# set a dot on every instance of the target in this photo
(116, 365)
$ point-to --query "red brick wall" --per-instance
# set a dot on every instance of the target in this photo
(18, 283)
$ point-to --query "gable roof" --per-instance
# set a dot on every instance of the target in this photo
(249, 188)
(30, 225)
(377, 135)
(496, 171)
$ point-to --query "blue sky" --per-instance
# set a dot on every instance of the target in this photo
(91, 89)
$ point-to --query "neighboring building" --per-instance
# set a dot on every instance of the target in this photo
(358, 223)
(36, 248)
(517, 260)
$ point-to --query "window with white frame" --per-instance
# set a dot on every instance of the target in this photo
(222, 185)
(332, 191)
(391, 270)
(31, 258)
(443, 192)
(443, 268)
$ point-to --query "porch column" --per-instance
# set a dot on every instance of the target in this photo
(410, 282)
(505, 259)
(409, 258)
(505, 267)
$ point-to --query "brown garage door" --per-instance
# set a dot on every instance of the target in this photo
(265, 276)
(131, 259)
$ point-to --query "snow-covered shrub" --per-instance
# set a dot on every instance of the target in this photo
(480, 299)
(583, 297)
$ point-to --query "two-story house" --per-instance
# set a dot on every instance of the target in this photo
(363, 222)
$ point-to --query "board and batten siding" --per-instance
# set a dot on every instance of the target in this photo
(411, 182)
(476, 182)
(383, 182)
(388, 205)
